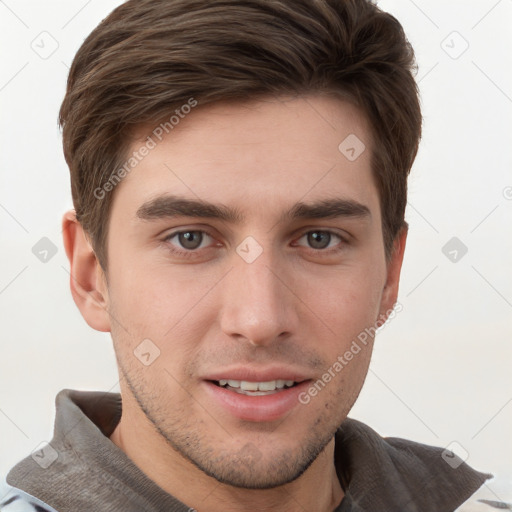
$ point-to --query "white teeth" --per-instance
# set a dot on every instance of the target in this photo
(245, 385)
(267, 386)
(249, 386)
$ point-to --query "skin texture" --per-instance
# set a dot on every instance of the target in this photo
(296, 306)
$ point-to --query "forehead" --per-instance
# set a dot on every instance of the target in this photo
(265, 154)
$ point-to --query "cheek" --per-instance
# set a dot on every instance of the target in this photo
(346, 303)
(173, 310)
(151, 297)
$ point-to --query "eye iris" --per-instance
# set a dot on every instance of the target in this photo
(190, 239)
(319, 239)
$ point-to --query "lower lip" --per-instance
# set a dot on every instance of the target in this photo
(256, 408)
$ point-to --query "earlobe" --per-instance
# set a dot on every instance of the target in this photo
(394, 267)
(87, 281)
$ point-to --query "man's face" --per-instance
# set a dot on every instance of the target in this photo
(274, 293)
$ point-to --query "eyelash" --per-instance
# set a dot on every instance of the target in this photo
(192, 253)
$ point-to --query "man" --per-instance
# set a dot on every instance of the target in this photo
(239, 176)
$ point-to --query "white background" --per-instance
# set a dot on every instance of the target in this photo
(441, 370)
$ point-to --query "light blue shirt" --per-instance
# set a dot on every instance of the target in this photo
(16, 500)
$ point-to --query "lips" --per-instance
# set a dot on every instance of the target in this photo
(259, 375)
(256, 395)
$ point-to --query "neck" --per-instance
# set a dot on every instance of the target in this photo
(318, 488)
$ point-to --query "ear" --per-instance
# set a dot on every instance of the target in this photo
(394, 266)
(87, 281)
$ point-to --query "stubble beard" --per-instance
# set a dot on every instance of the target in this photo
(249, 467)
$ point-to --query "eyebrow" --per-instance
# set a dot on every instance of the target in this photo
(169, 206)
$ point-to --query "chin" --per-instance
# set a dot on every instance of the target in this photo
(246, 473)
(256, 465)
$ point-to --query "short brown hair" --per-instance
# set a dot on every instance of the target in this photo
(150, 57)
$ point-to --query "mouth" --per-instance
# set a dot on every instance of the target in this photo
(255, 400)
(250, 388)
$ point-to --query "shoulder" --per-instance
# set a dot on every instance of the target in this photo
(403, 474)
(16, 500)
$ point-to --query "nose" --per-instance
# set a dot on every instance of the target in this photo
(258, 305)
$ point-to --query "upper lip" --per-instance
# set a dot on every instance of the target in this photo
(253, 374)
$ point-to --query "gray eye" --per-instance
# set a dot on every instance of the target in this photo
(319, 239)
(190, 239)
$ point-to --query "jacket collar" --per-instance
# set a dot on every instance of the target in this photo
(392, 474)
